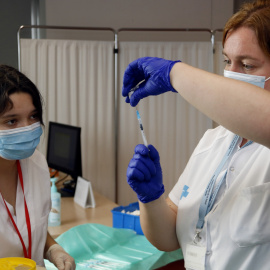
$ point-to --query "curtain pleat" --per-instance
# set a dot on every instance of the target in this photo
(76, 79)
(170, 123)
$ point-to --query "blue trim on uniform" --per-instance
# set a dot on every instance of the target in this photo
(184, 191)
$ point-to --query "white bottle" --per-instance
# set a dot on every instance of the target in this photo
(55, 214)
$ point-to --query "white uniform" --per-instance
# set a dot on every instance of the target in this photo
(36, 180)
(236, 232)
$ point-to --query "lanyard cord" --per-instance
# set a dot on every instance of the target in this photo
(27, 217)
(209, 195)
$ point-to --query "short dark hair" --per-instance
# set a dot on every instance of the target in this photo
(13, 81)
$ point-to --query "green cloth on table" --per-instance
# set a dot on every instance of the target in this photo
(103, 247)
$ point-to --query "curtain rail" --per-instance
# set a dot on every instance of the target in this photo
(167, 29)
(115, 32)
(56, 28)
(211, 32)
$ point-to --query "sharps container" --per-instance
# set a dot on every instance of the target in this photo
(17, 263)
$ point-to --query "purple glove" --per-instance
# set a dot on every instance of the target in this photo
(144, 173)
(155, 72)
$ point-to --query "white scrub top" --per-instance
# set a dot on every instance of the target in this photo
(36, 181)
(236, 232)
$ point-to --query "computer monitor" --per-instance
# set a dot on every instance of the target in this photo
(64, 153)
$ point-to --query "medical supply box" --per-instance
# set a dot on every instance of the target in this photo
(123, 217)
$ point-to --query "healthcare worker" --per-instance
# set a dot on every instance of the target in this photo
(24, 177)
(218, 211)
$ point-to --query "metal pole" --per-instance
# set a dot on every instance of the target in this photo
(35, 18)
(116, 111)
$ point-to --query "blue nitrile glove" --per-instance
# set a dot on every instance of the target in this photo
(156, 73)
(144, 173)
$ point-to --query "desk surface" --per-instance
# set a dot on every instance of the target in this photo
(72, 214)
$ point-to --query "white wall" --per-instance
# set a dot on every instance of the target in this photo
(110, 13)
(119, 14)
(139, 13)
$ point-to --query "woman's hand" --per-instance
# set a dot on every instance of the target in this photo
(156, 73)
(60, 258)
(144, 173)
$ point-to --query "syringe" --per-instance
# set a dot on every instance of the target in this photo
(138, 114)
(141, 128)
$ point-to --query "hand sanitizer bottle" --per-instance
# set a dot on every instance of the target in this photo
(55, 214)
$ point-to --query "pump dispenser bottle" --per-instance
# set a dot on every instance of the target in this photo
(55, 214)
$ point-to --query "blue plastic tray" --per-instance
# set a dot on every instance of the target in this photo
(128, 221)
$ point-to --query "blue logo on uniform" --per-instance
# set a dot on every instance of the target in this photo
(184, 192)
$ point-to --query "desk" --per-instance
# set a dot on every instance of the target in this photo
(72, 214)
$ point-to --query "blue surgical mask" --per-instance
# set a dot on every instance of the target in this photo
(253, 79)
(19, 143)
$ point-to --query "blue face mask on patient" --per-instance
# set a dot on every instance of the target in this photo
(19, 143)
(253, 79)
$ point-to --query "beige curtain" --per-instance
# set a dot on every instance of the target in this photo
(76, 79)
(170, 123)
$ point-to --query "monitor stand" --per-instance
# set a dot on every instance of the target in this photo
(68, 189)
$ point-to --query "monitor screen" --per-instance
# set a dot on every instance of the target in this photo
(64, 149)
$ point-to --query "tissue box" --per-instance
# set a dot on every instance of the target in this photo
(124, 220)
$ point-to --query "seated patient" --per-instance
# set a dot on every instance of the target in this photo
(25, 200)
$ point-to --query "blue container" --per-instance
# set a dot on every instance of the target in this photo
(128, 221)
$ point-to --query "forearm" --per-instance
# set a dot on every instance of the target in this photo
(240, 107)
(158, 222)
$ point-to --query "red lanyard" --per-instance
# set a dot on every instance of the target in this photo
(27, 217)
